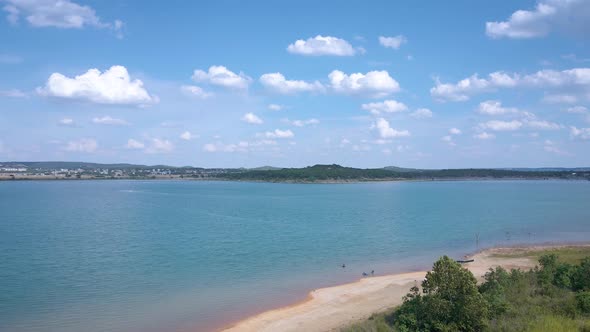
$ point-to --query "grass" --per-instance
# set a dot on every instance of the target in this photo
(375, 323)
(569, 254)
(559, 324)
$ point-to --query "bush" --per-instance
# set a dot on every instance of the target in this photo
(583, 301)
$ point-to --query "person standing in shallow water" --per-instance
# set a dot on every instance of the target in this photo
(372, 272)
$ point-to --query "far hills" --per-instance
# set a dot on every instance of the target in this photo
(316, 173)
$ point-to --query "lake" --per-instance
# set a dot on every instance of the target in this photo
(192, 256)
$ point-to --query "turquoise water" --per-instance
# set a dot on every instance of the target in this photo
(172, 255)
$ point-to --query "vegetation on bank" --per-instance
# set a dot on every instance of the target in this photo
(337, 173)
(554, 296)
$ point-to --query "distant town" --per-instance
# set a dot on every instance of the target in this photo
(316, 173)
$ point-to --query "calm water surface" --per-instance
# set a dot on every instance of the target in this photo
(171, 255)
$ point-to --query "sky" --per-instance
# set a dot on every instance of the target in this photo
(425, 84)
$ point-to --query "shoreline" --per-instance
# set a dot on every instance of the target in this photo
(334, 307)
(332, 181)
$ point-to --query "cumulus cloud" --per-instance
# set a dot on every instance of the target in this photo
(386, 106)
(187, 136)
(385, 131)
(569, 16)
(221, 76)
(107, 120)
(572, 79)
(454, 131)
(392, 42)
(87, 145)
(158, 145)
(581, 133)
(134, 144)
(484, 136)
(422, 113)
(374, 83)
(278, 83)
(277, 133)
(114, 86)
(498, 125)
(302, 123)
(251, 118)
(320, 45)
(275, 107)
(193, 90)
(63, 14)
(151, 145)
(494, 107)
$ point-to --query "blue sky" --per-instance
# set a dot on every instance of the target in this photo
(244, 84)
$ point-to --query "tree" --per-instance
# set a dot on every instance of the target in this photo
(451, 301)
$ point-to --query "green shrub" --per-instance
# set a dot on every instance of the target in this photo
(583, 301)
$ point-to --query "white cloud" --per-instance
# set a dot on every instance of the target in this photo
(374, 83)
(278, 83)
(392, 42)
(63, 14)
(107, 120)
(448, 139)
(275, 107)
(570, 16)
(581, 133)
(454, 131)
(251, 118)
(195, 91)
(221, 76)
(577, 110)
(209, 147)
(158, 145)
(67, 122)
(277, 133)
(421, 113)
(114, 86)
(572, 79)
(320, 45)
(385, 130)
(13, 93)
(386, 106)
(187, 136)
(302, 123)
(497, 125)
(484, 136)
(134, 144)
(494, 107)
(542, 125)
(87, 145)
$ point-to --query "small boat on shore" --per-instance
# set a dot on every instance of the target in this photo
(465, 261)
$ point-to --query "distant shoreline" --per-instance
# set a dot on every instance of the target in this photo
(335, 307)
(334, 181)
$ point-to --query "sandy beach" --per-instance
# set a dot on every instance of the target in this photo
(332, 308)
